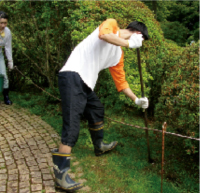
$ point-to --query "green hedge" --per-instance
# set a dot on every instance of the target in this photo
(178, 103)
(89, 15)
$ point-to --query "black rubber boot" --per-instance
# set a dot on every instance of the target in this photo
(6, 97)
(61, 166)
(96, 132)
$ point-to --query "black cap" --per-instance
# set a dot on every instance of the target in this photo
(139, 26)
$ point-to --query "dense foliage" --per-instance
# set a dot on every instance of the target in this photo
(179, 19)
(90, 14)
(40, 38)
(44, 33)
(179, 99)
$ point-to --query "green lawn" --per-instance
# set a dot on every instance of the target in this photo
(126, 168)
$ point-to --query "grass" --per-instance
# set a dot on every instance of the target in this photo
(126, 169)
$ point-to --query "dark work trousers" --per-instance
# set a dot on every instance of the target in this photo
(77, 100)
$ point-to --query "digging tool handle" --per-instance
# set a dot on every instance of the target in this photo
(145, 112)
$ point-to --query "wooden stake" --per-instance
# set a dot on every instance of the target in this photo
(164, 127)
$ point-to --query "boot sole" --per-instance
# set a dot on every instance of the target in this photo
(72, 189)
(99, 154)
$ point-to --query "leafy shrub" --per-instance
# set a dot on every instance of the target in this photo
(170, 32)
(41, 41)
(89, 15)
(179, 100)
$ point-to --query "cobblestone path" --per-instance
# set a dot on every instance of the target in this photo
(25, 159)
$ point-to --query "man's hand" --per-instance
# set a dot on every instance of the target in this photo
(10, 65)
(135, 41)
(142, 102)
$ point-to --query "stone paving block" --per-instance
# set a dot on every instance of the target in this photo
(31, 163)
(43, 165)
(47, 177)
(3, 182)
(2, 160)
(36, 187)
(13, 171)
(3, 171)
(4, 146)
(46, 171)
(29, 158)
(12, 166)
(12, 184)
(18, 155)
(41, 160)
(24, 184)
(3, 176)
(23, 146)
(10, 138)
(5, 149)
(8, 153)
(9, 162)
(36, 181)
(14, 149)
(34, 168)
(22, 167)
(24, 177)
(50, 189)
(28, 154)
(36, 174)
(24, 190)
(31, 143)
(21, 162)
(2, 138)
(48, 155)
(49, 183)
(34, 152)
(2, 142)
(24, 171)
(12, 143)
(2, 188)
(42, 146)
(12, 190)
(33, 147)
(17, 135)
(12, 177)
(20, 140)
(45, 150)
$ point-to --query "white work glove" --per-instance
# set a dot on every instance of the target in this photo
(10, 64)
(135, 40)
(142, 102)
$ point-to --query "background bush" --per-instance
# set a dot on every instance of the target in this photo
(44, 33)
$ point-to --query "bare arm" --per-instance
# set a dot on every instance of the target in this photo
(128, 92)
(113, 39)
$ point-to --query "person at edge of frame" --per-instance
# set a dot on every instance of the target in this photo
(76, 81)
(6, 42)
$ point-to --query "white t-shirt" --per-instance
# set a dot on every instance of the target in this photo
(91, 56)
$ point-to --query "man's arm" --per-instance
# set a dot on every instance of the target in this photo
(113, 39)
(128, 92)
